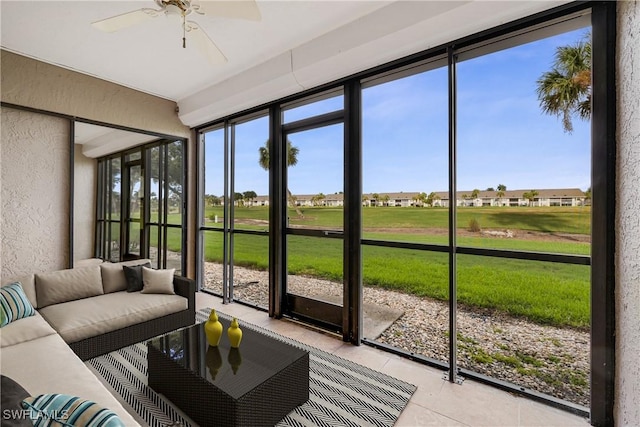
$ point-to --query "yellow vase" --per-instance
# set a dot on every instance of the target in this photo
(235, 359)
(234, 333)
(213, 329)
(214, 361)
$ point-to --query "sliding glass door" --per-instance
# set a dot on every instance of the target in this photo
(234, 225)
(141, 206)
(315, 237)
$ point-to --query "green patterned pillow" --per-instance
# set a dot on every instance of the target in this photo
(14, 304)
(63, 410)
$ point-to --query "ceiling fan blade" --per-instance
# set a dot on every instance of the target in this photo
(203, 43)
(125, 20)
(238, 9)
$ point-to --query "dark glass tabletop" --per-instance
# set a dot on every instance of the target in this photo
(234, 371)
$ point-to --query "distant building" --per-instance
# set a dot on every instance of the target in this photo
(552, 197)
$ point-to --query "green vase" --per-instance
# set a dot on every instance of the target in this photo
(213, 329)
(234, 333)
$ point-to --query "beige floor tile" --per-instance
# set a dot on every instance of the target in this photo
(415, 415)
(471, 403)
(363, 355)
(537, 414)
(436, 402)
(428, 380)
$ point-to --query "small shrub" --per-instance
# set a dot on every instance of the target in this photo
(474, 225)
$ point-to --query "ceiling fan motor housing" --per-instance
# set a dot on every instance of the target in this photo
(175, 7)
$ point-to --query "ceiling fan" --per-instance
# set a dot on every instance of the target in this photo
(238, 9)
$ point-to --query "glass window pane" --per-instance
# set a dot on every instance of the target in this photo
(251, 175)
(155, 249)
(137, 155)
(313, 108)
(315, 178)
(213, 258)
(113, 247)
(405, 159)
(174, 249)
(526, 322)
(251, 269)
(523, 180)
(213, 152)
(315, 268)
(155, 190)
(115, 189)
(174, 177)
(409, 289)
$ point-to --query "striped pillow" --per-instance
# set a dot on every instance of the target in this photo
(14, 304)
(63, 410)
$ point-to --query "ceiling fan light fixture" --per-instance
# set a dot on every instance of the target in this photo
(236, 9)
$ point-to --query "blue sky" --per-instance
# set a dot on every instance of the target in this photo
(503, 138)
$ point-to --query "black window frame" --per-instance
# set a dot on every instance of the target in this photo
(102, 217)
(603, 142)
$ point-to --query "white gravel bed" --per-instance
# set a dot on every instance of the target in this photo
(547, 359)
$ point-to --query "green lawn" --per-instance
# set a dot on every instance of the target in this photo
(550, 220)
(547, 293)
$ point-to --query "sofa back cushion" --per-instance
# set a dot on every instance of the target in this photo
(113, 278)
(28, 285)
(67, 285)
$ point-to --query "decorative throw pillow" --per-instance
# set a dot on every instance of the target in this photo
(65, 410)
(14, 304)
(13, 415)
(133, 274)
(157, 281)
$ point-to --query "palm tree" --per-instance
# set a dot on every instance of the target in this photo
(422, 198)
(587, 196)
(292, 160)
(530, 196)
(250, 196)
(566, 89)
(317, 199)
(431, 198)
(375, 197)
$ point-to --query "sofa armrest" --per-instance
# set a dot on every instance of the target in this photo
(185, 287)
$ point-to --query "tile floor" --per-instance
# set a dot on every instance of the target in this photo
(436, 402)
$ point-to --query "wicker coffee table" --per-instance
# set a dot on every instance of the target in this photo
(255, 385)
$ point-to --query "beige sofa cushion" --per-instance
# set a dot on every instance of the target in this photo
(28, 285)
(67, 285)
(27, 329)
(48, 365)
(157, 281)
(87, 262)
(77, 320)
(113, 279)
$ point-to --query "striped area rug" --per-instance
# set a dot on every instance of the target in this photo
(341, 393)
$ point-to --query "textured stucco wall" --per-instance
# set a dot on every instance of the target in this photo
(34, 174)
(627, 397)
(84, 202)
(30, 83)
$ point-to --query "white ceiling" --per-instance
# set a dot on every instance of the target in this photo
(298, 44)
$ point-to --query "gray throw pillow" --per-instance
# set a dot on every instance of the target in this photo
(13, 414)
(133, 274)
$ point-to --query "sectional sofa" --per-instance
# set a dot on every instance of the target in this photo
(84, 312)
